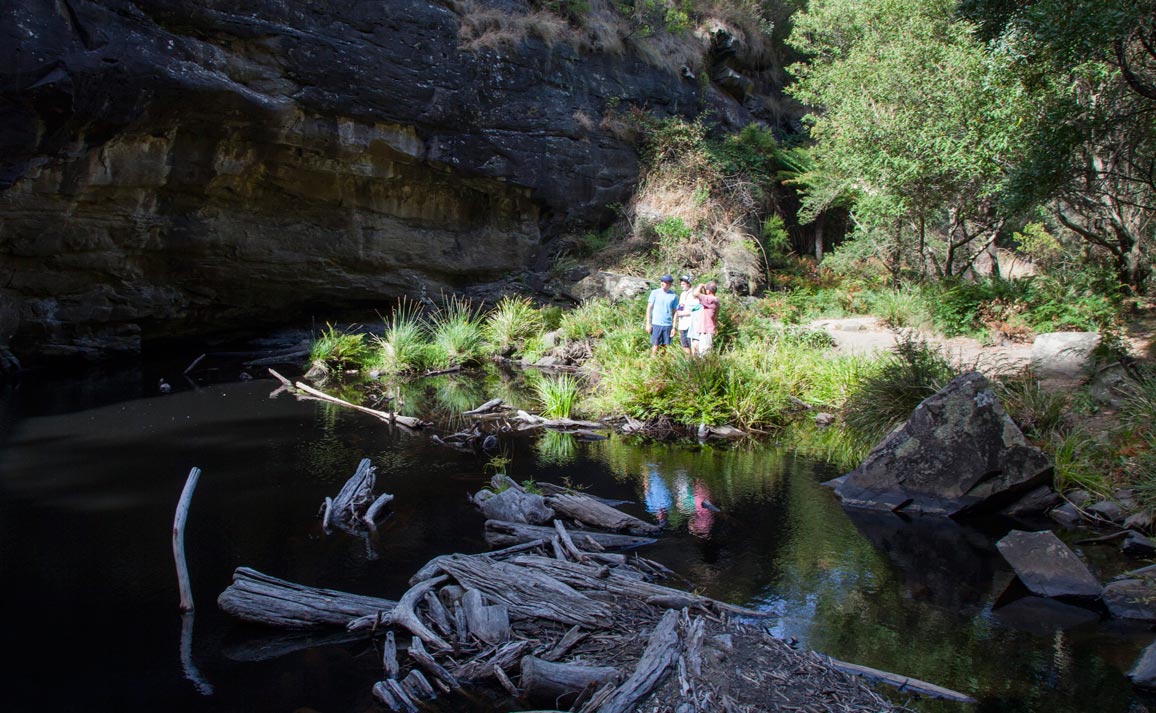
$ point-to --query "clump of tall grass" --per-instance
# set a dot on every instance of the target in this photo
(911, 372)
(510, 324)
(1039, 412)
(557, 395)
(403, 347)
(1080, 461)
(338, 350)
(899, 308)
(593, 319)
(456, 333)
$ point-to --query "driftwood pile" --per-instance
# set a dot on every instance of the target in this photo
(494, 417)
(565, 628)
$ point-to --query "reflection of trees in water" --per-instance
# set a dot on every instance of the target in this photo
(556, 448)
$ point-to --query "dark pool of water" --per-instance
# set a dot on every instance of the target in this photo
(91, 470)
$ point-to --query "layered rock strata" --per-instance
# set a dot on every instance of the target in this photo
(171, 166)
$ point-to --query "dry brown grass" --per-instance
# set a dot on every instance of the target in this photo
(487, 28)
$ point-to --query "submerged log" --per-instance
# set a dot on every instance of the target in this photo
(262, 599)
(503, 534)
(903, 683)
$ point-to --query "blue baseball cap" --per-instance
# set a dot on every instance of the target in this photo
(666, 278)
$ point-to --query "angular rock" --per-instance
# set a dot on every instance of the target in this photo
(1079, 498)
(607, 285)
(1066, 514)
(1046, 566)
(958, 453)
(1041, 499)
(1131, 599)
(1064, 354)
(1143, 673)
(1107, 510)
(1136, 545)
(1139, 521)
(824, 419)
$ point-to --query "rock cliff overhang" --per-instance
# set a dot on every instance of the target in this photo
(167, 166)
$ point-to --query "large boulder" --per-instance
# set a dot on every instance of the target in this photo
(1064, 354)
(958, 453)
(607, 285)
(1046, 566)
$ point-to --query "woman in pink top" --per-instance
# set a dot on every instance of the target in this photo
(704, 339)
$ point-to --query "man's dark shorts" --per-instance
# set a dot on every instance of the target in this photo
(660, 335)
(683, 339)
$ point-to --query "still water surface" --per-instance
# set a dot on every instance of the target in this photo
(90, 473)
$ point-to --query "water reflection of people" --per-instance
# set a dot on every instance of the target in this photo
(657, 495)
(690, 500)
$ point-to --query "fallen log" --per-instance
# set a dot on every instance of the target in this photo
(552, 489)
(561, 683)
(491, 405)
(903, 683)
(404, 614)
(310, 392)
(527, 594)
(528, 421)
(262, 599)
(504, 534)
(590, 512)
(662, 650)
(491, 624)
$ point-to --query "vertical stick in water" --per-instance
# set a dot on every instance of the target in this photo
(179, 539)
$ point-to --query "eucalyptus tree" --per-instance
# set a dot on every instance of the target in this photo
(913, 121)
(1089, 67)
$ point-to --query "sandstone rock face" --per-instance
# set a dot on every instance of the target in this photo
(957, 453)
(171, 166)
(1046, 566)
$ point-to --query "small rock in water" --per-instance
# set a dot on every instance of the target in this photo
(490, 443)
(1139, 521)
(245, 376)
(1136, 545)
(164, 387)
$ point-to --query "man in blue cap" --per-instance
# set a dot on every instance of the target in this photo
(660, 313)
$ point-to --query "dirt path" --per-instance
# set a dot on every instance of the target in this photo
(864, 335)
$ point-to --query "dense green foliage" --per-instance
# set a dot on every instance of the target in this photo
(944, 124)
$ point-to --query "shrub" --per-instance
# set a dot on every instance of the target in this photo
(910, 373)
(339, 350)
